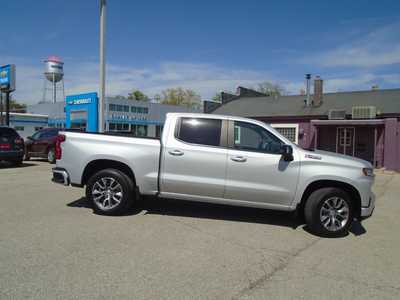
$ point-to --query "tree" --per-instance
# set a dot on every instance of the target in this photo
(217, 98)
(15, 106)
(138, 96)
(157, 98)
(271, 89)
(180, 96)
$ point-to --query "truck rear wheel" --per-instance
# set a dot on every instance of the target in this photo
(329, 212)
(111, 192)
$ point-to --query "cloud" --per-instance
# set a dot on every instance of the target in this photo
(205, 79)
(355, 82)
(379, 47)
(363, 81)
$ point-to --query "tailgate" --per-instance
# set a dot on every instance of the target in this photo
(8, 139)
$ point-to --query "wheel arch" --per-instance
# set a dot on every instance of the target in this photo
(100, 164)
(318, 184)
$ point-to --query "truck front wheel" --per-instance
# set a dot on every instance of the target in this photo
(329, 212)
(111, 192)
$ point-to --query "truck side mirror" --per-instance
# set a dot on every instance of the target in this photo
(287, 152)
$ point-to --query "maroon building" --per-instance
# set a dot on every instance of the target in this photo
(364, 124)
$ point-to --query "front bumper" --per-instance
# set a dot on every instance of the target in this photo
(368, 210)
(60, 176)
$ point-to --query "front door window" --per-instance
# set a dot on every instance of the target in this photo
(251, 137)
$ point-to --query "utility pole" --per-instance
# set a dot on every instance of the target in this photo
(1, 108)
(7, 108)
(102, 64)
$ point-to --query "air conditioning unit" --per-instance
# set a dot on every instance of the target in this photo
(337, 114)
(363, 112)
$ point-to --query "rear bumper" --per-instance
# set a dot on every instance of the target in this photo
(368, 210)
(11, 155)
(60, 176)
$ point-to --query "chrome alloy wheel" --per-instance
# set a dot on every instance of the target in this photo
(334, 213)
(107, 193)
(50, 156)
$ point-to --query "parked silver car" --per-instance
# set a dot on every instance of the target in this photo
(218, 159)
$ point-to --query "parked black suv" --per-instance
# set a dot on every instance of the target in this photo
(11, 146)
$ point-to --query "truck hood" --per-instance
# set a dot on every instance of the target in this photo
(335, 158)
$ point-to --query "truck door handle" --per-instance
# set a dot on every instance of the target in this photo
(176, 152)
(239, 158)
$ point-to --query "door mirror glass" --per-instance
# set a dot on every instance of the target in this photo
(287, 152)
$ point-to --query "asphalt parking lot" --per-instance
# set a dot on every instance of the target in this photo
(52, 246)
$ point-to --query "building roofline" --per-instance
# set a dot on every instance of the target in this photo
(26, 115)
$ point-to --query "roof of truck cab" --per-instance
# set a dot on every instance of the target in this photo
(221, 117)
(209, 116)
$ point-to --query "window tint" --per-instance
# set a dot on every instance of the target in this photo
(251, 137)
(200, 131)
(46, 134)
(50, 133)
(37, 135)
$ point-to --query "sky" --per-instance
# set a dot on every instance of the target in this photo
(208, 46)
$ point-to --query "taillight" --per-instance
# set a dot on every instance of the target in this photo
(58, 152)
(5, 146)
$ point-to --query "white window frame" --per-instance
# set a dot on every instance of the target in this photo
(288, 125)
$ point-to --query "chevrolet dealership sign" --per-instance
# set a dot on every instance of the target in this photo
(7, 78)
(80, 101)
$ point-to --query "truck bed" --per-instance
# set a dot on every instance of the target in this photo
(138, 153)
(113, 133)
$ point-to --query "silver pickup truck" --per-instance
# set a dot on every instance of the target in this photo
(218, 159)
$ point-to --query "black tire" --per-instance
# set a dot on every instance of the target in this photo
(127, 191)
(17, 162)
(27, 157)
(314, 212)
(51, 156)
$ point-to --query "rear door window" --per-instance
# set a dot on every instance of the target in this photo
(200, 131)
(36, 135)
(49, 134)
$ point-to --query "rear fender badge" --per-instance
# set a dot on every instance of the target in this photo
(311, 156)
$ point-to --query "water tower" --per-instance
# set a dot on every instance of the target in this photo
(54, 74)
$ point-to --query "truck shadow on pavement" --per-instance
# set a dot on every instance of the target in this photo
(179, 208)
(171, 207)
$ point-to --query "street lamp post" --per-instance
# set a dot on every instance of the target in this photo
(102, 64)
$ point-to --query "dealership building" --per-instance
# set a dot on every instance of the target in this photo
(141, 118)
(364, 124)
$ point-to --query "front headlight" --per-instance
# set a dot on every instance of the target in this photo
(368, 172)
